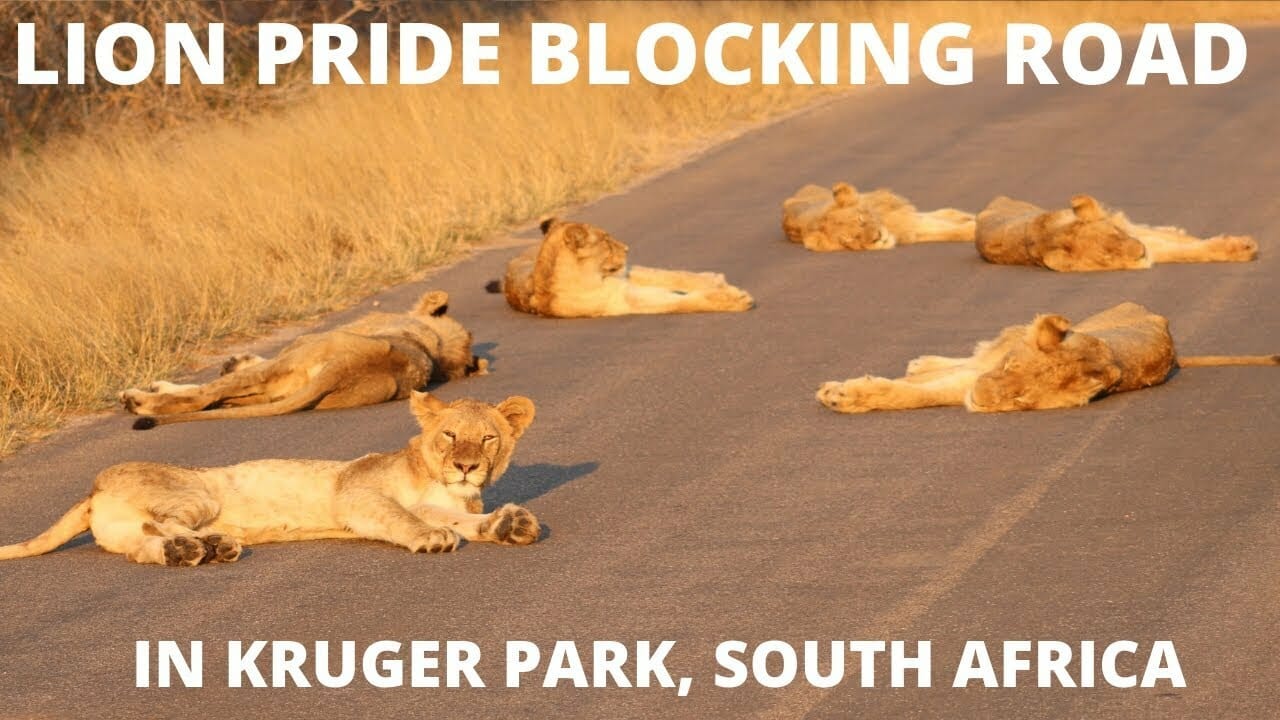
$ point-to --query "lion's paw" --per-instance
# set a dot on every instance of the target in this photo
(183, 551)
(239, 362)
(852, 396)
(731, 299)
(435, 540)
(221, 548)
(136, 401)
(1239, 248)
(511, 525)
(714, 278)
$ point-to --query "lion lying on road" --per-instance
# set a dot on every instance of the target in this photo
(1049, 363)
(380, 357)
(579, 270)
(421, 498)
(844, 219)
(1088, 237)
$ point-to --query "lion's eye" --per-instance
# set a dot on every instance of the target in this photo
(487, 438)
(450, 435)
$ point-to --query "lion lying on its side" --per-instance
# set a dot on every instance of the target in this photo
(843, 219)
(1088, 237)
(1049, 363)
(380, 357)
(421, 498)
(579, 270)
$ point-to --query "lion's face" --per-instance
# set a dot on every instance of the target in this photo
(853, 225)
(1050, 368)
(468, 443)
(591, 247)
(1095, 241)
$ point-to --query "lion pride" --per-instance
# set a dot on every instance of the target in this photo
(1048, 363)
(843, 219)
(1089, 237)
(580, 270)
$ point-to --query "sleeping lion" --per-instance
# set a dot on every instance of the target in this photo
(1088, 237)
(380, 357)
(843, 219)
(1049, 363)
(421, 498)
(579, 270)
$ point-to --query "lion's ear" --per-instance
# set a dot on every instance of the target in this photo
(845, 194)
(425, 406)
(518, 411)
(434, 303)
(1047, 331)
(548, 223)
(1086, 208)
(576, 236)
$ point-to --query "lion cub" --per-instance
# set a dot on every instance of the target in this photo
(843, 219)
(1048, 363)
(380, 357)
(421, 498)
(1088, 237)
(579, 270)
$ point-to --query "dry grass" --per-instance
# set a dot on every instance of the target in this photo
(124, 252)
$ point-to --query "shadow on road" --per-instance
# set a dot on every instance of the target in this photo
(522, 483)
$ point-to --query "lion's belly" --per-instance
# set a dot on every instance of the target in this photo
(287, 495)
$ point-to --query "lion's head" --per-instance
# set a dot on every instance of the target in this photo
(1050, 368)
(591, 248)
(1093, 240)
(848, 223)
(468, 443)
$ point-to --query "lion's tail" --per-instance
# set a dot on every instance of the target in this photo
(306, 397)
(71, 524)
(1187, 361)
(493, 286)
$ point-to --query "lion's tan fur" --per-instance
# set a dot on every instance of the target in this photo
(844, 219)
(1048, 363)
(1088, 237)
(379, 357)
(421, 497)
(579, 270)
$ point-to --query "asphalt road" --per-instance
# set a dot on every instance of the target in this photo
(695, 491)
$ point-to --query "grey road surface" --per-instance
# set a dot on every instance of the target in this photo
(694, 491)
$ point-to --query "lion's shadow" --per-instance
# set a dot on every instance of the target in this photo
(522, 483)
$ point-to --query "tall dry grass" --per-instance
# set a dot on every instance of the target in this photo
(125, 250)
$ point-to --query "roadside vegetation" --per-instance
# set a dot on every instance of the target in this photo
(140, 227)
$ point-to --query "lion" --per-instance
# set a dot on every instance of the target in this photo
(579, 270)
(379, 357)
(422, 497)
(843, 219)
(1089, 237)
(1048, 363)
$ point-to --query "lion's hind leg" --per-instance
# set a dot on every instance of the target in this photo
(933, 363)
(1167, 244)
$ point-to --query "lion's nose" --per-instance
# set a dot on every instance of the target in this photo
(465, 468)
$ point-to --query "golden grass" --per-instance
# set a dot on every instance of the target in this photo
(124, 253)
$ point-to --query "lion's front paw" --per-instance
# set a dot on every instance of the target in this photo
(435, 540)
(511, 525)
(851, 396)
(136, 401)
(714, 278)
